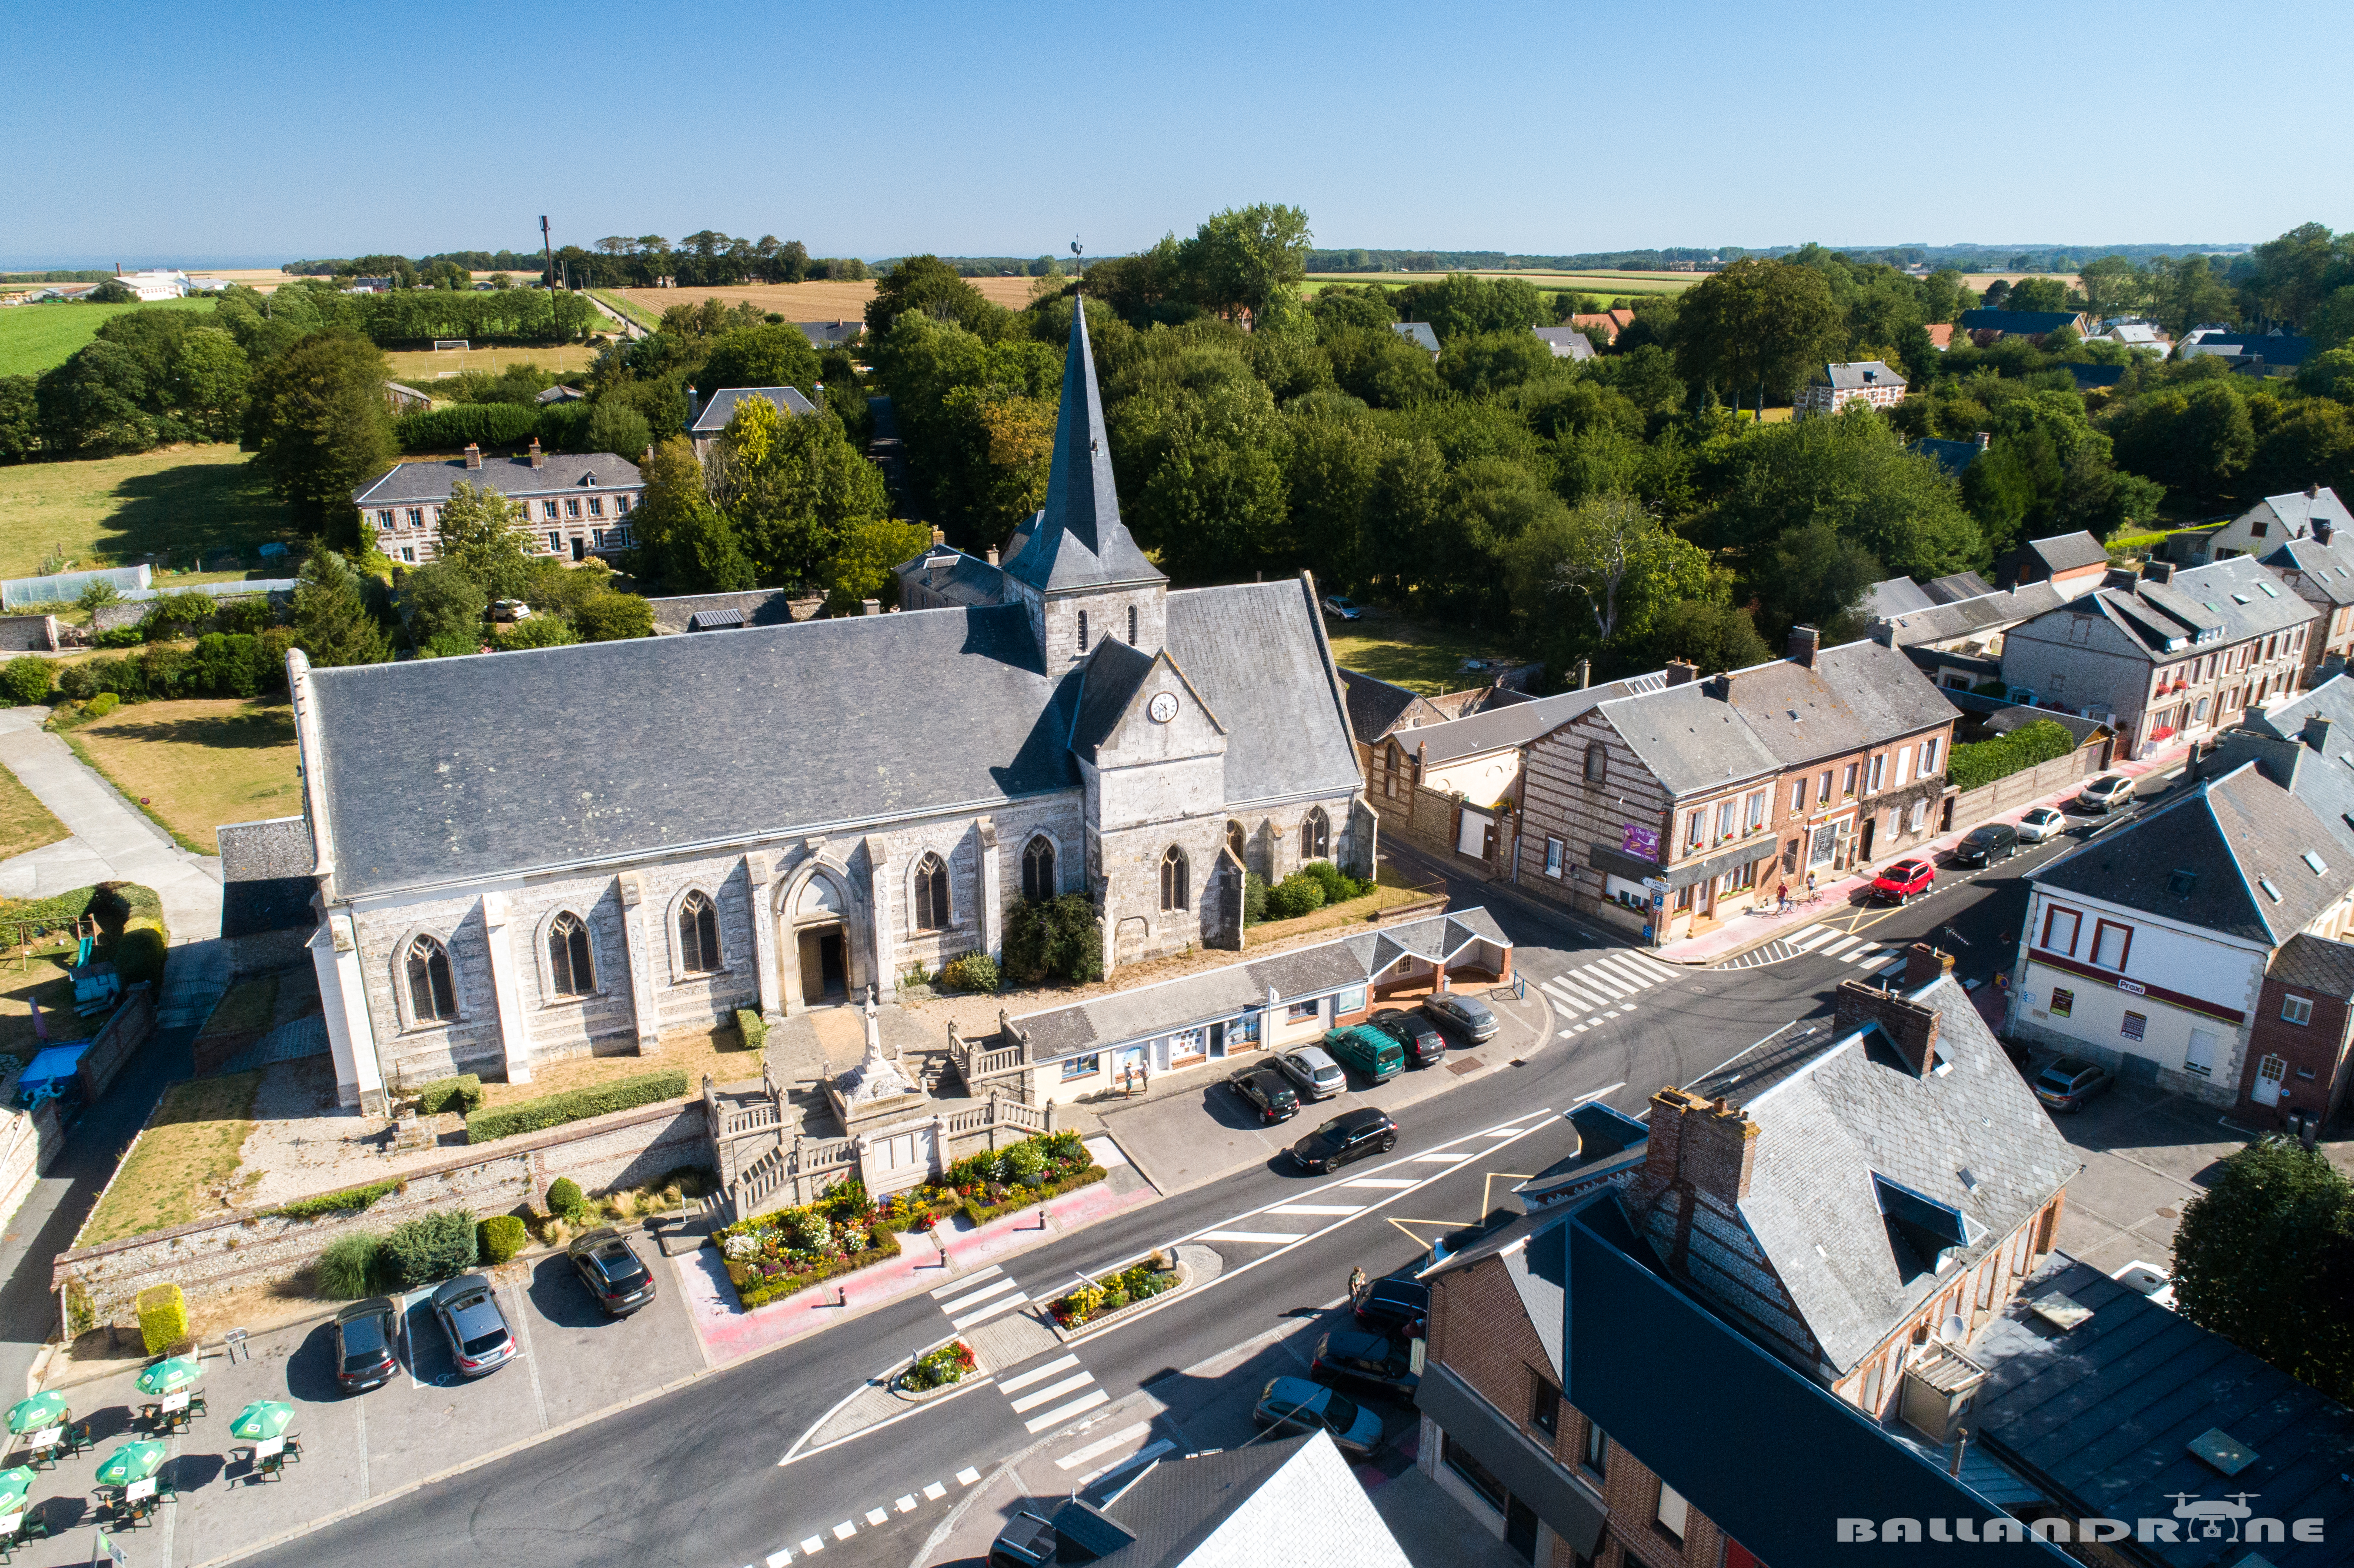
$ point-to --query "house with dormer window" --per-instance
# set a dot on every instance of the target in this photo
(574, 504)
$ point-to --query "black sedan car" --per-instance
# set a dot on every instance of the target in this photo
(613, 1272)
(1423, 1041)
(367, 1333)
(1351, 1135)
(1268, 1092)
(1394, 1307)
(1990, 845)
(1368, 1361)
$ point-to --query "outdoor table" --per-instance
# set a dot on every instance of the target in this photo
(269, 1456)
(42, 1446)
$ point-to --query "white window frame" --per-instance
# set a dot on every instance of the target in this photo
(1904, 765)
(1879, 770)
(2103, 931)
(1674, 1514)
(1554, 848)
(2296, 1010)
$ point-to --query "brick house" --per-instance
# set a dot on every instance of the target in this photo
(1676, 807)
(2167, 656)
(574, 504)
(1866, 381)
(2299, 1059)
(2321, 573)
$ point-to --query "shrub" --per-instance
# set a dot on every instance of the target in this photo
(974, 971)
(1024, 1162)
(1982, 762)
(102, 705)
(119, 637)
(1338, 885)
(748, 1024)
(429, 1247)
(1254, 898)
(500, 1237)
(163, 1317)
(1297, 895)
(463, 1093)
(346, 1270)
(447, 430)
(350, 1201)
(1061, 937)
(25, 680)
(564, 1197)
(530, 1116)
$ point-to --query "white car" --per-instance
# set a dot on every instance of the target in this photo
(2041, 824)
(1340, 608)
(2107, 792)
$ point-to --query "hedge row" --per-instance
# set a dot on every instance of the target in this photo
(750, 1025)
(484, 424)
(1982, 762)
(463, 1093)
(574, 1105)
(350, 1201)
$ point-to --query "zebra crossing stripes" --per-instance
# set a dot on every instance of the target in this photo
(1063, 1393)
(982, 1294)
(1605, 989)
(1816, 941)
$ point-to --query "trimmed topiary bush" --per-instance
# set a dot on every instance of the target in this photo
(564, 1196)
(25, 680)
(750, 1025)
(500, 1237)
(449, 430)
(429, 1248)
(163, 1317)
(463, 1093)
(1297, 895)
(1254, 898)
(102, 705)
(347, 1269)
(1061, 937)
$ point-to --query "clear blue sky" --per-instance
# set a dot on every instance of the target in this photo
(255, 133)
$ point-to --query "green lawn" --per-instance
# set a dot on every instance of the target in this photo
(34, 338)
(172, 503)
(1415, 654)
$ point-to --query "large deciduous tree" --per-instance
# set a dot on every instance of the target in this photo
(318, 424)
(2265, 1258)
(1759, 323)
(792, 487)
(482, 536)
(1599, 575)
(1246, 259)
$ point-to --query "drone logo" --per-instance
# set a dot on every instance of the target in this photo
(2208, 1519)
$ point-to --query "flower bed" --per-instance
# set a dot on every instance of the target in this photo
(1141, 1282)
(996, 1183)
(937, 1368)
(772, 1256)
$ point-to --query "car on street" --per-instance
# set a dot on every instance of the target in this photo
(1340, 608)
(2041, 823)
(1028, 1541)
(1394, 1307)
(1369, 1050)
(2106, 793)
(1295, 1405)
(1423, 1041)
(367, 1336)
(1345, 1358)
(1268, 1092)
(2066, 1083)
(613, 1273)
(1990, 844)
(1467, 1016)
(1319, 1076)
(1349, 1137)
(469, 1312)
(1903, 879)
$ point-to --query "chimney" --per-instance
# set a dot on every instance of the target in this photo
(474, 455)
(2322, 529)
(1709, 1145)
(1681, 671)
(992, 554)
(940, 535)
(1884, 632)
(2158, 571)
(1923, 963)
(1584, 673)
(1804, 643)
(1421, 759)
(2316, 732)
(2312, 491)
(694, 405)
(1910, 1026)
(1985, 439)
(870, 607)
(648, 460)
(1719, 685)
(2123, 578)
(538, 458)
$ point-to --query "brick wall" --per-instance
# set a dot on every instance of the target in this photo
(118, 1042)
(2314, 1055)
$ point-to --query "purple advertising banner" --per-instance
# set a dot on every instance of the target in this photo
(1643, 841)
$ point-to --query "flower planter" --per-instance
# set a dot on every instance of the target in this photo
(1193, 1264)
(899, 1390)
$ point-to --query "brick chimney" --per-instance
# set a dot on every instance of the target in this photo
(2316, 732)
(1910, 1026)
(474, 455)
(992, 554)
(2123, 578)
(940, 535)
(1804, 643)
(1707, 1146)
(1923, 963)
(538, 458)
(2322, 529)
(1681, 671)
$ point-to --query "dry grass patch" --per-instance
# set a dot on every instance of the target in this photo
(824, 300)
(718, 1052)
(171, 504)
(1423, 657)
(199, 763)
(25, 822)
(183, 1165)
(419, 367)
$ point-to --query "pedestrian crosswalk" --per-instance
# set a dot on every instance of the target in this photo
(1821, 941)
(979, 1296)
(1051, 1392)
(1594, 993)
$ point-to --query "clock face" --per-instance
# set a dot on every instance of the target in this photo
(1164, 708)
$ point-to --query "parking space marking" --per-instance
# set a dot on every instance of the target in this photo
(1053, 1391)
(966, 1477)
(935, 1492)
(1271, 1237)
(1387, 1183)
(813, 1545)
(778, 1559)
(1016, 1385)
(1097, 1450)
(1438, 1158)
(967, 1283)
(1087, 1401)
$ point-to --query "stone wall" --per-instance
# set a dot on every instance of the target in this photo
(118, 1042)
(29, 1142)
(247, 1247)
(1972, 807)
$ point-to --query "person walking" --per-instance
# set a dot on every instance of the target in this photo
(1356, 1283)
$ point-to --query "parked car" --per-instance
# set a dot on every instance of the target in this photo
(1346, 1139)
(367, 1335)
(1369, 1050)
(469, 1311)
(1268, 1092)
(1340, 608)
(1394, 1307)
(612, 1271)
(1028, 1541)
(2106, 793)
(2041, 823)
(1467, 1016)
(1319, 1076)
(2067, 1084)
(1295, 1405)
(1988, 845)
(1369, 1361)
(1903, 879)
(1423, 1041)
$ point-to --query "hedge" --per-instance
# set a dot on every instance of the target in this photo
(1981, 762)
(484, 424)
(500, 1237)
(163, 1317)
(350, 1201)
(429, 1248)
(574, 1105)
(464, 1091)
(750, 1025)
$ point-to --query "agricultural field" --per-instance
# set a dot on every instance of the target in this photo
(1605, 284)
(172, 504)
(197, 764)
(34, 338)
(419, 367)
(824, 300)
(1979, 281)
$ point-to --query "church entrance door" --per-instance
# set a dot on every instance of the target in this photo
(825, 974)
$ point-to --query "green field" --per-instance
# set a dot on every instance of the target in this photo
(1602, 283)
(34, 338)
(172, 503)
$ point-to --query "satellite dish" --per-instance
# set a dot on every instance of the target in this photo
(1954, 1330)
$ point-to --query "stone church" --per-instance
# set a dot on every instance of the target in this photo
(532, 855)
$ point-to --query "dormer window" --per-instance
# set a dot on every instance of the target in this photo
(2180, 883)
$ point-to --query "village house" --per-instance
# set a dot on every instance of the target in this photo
(404, 399)
(2319, 567)
(2166, 656)
(1958, 643)
(503, 880)
(707, 421)
(1419, 334)
(1566, 341)
(1866, 381)
(2074, 563)
(2266, 525)
(1988, 327)
(574, 504)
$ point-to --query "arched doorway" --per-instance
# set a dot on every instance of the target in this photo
(817, 959)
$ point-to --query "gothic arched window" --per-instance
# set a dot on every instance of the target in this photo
(1316, 836)
(567, 956)
(698, 934)
(1235, 841)
(1172, 879)
(1038, 869)
(431, 997)
(931, 895)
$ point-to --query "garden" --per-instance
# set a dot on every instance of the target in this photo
(1155, 1276)
(942, 1367)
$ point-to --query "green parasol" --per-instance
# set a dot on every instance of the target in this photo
(46, 1409)
(14, 1485)
(169, 1375)
(264, 1418)
(132, 1462)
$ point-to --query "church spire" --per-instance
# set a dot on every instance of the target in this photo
(1078, 540)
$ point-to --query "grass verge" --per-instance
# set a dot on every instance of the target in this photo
(194, 765)
(182, 1160)
(25, 822)
(1417, 655)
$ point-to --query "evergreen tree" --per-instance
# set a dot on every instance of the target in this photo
(332, 624)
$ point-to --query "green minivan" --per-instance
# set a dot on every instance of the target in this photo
(1369, 1050)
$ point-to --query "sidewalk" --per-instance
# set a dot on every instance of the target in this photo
(1755, 929)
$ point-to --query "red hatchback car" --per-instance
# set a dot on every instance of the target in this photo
(1903, 879)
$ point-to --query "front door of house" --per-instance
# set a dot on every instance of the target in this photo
(2269, 1073)
(1871, 824)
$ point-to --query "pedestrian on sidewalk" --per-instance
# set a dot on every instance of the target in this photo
(1810, 886)
(1784, 908)
(1356, 1283)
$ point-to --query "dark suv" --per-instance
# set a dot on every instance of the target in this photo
(366, 1334)
(1423, 1041)
(613, 1272)
(1366, 1361)
(1268, 1092)
(1394, 1307)
(1351, 1135)
(1466, 1015)
(1988, 845)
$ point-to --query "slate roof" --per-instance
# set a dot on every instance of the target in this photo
(1255, 653)
(2316, 964)
(1566, 341)
(1898, 596)
(831, 335)
(2033, 322)
(1076, 539)
(1419, 334)
(1292, 1501)
(1951, 457)
(1965, 618)
(1223, 992)
(1377, 707)
(561, 473)
(2251, 600)
(1517, 724)
(2272, 348)
(1956, 586)
(1855, 697)
(2067, 552)
(2221, 603)
(2103, 1413)
(2093, 378)
(1108, 684)
(2329, 570)
(954, 575)
(1859, 375)
(722, 407)
(266, 882)
(1690, 741)
(2296, 511)
(758, 607)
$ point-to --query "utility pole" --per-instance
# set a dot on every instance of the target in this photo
(547, 250)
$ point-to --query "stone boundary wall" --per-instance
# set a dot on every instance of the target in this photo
(30, 1141)
(111, 1050)
(1976, 806)
(244, 1247)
